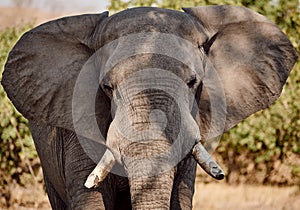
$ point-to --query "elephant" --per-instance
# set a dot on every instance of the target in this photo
(120, 107)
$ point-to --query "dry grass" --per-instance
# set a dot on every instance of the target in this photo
(212, 196)
(12, 16)
(220, 196)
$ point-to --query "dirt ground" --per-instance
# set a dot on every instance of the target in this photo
(220, 196)
(212, 196)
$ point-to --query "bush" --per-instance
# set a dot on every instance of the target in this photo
(268, 142)
(265, 148)
(18, 156)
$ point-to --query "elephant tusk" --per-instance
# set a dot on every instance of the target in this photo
(206, 162)
(101, 170)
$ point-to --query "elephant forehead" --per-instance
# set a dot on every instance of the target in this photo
(147, 19)
(137, 63)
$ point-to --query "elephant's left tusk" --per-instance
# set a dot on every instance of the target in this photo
(206, 162)
(101, 170)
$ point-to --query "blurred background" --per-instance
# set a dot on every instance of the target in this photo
(261, 155)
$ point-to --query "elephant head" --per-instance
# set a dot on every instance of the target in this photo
(144, 88)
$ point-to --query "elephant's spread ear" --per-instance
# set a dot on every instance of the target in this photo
(251, 57)
(42, 68)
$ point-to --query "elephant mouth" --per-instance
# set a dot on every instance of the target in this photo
(203, 158)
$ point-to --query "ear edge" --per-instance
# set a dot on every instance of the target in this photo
(14, 77)
(288, 60)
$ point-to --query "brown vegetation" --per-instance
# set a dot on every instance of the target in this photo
(211, 196)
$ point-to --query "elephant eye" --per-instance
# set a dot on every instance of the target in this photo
(192, 82)
(206, 46)
(108, 88)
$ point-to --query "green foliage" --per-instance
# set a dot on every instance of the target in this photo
(170, 4)
(17, 151)
(271, 138)
(268, 142)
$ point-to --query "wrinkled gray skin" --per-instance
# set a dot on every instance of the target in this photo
(250, 54)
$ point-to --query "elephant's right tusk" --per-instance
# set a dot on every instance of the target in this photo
(101, 170)
(206, 162)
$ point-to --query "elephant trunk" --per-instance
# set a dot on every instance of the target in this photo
(145, 130)
(152, 192)
(150, 175)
